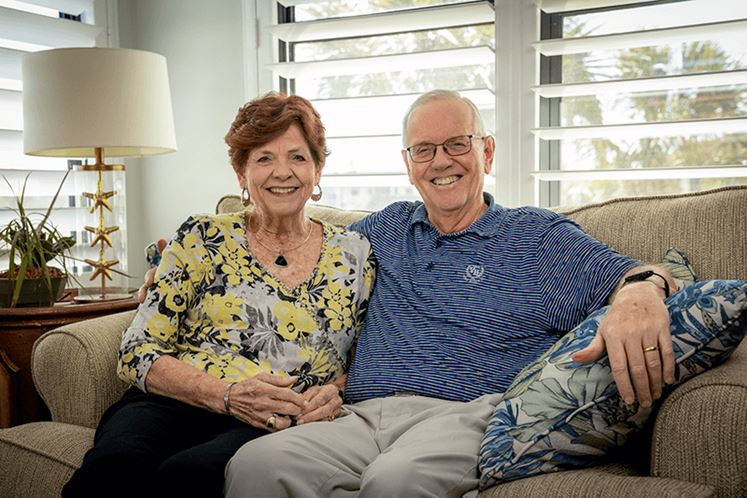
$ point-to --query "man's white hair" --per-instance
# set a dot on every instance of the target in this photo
(442, 95)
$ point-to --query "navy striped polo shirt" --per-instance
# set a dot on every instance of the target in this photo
(456, 316)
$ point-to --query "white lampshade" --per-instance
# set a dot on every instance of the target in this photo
(77, 99)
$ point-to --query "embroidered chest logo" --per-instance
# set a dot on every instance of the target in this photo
(473, 273)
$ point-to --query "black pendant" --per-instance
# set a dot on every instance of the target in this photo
(281, 261)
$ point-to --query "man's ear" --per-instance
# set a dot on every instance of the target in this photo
(407, 165)
(488, 152)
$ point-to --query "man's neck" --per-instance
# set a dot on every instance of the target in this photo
(457, 221)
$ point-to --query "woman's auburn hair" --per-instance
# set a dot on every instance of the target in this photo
(264, 119)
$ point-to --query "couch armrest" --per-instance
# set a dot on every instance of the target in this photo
(699, 432)
(74, 368)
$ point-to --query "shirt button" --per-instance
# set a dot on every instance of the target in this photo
(438, 243)
(429, 266)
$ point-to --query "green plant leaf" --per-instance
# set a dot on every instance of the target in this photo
(33, 245)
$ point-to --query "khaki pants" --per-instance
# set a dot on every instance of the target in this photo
(401, 446)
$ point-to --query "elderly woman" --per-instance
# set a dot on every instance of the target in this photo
(247, 328)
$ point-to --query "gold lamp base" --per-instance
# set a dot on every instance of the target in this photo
(103, 267)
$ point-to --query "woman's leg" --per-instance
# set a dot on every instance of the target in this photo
(134, 436)
(200, 470)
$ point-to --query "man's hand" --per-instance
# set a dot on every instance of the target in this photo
(637, 321)
(150, 275)
(323, 403)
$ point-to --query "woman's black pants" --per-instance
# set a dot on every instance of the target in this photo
(150, 445)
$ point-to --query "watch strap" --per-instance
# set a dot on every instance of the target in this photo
(645, 275)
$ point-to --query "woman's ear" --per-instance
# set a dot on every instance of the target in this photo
(318, 173)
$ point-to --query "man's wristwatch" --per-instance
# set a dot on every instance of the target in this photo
(645, 275)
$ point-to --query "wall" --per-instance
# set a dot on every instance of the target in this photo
(203, 44)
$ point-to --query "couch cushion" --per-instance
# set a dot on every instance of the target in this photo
(559, 414)
(707, 226)
(37, 459)
(607, 480)
(330, 214)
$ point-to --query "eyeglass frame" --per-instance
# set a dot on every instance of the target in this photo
(443, 146)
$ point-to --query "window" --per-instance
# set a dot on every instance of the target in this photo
(640, 98)
(362, 63)
(27, 26)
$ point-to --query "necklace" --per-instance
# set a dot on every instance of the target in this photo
(280, 261)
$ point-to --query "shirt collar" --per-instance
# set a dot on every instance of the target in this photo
(486, 226)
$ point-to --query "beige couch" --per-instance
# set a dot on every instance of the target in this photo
(697, 445)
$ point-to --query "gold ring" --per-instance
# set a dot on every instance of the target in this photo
(270, 423)
(650, 348)
(331, 418)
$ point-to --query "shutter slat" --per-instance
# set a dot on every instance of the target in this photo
(555, 6)
(10, 63)
(641, 130)
(452, 57)
(699, 80)
(46, 31)
(73, 7)
(11, 110)
(11, 140)
(633, 39)
(730, 171)
(400, 21)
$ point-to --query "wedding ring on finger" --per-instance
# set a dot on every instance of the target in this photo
(270, 422)
(650, 348)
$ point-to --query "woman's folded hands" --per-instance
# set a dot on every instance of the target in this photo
(257, 400)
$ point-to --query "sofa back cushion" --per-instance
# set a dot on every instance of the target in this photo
(336, 216)
(708, 226)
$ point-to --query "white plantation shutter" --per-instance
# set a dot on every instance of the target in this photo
(362, 63)
(27, 26)
(640, 97)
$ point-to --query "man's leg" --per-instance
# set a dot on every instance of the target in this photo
(430, 449)
(321, 459)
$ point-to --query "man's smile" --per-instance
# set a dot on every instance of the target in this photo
(446, 180)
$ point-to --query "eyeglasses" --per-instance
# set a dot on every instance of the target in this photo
(455, 146)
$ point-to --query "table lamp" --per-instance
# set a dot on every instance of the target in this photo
(97, 102)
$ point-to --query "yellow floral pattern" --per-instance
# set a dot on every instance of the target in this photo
(216, 308)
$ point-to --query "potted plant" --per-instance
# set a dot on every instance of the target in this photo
(29, 280)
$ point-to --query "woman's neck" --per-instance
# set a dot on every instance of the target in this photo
(280, 227)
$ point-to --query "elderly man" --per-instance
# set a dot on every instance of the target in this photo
(467, 293)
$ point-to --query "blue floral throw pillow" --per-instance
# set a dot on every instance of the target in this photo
(558, 414)
(677, 264)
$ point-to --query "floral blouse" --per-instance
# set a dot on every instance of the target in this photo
(214, 306)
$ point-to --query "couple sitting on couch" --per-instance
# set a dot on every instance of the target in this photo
(249, 326)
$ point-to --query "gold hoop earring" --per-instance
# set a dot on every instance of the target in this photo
(316, 196)
(245, 199)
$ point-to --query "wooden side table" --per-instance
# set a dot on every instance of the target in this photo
(19, 329)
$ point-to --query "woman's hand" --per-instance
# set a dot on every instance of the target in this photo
(150, 275)
(257, 399)
(323, 403)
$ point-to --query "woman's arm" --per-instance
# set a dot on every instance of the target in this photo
(252, 401)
